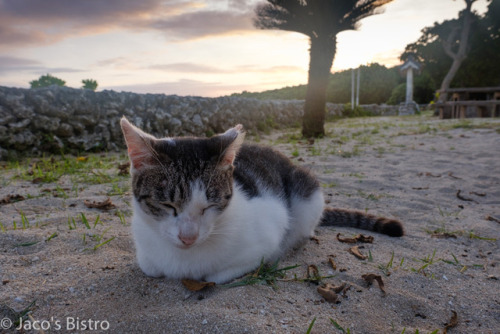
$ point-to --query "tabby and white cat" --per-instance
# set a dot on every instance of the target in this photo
(213, 208)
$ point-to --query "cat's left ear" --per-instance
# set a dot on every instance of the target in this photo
(235, 137)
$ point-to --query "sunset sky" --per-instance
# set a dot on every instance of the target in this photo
(204, 48)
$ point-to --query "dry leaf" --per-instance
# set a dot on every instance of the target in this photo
(327, 293)
(444, 235)
(313, 274)
(194, 285)
(358, 238)
(465, 198)
(330, 292)
(332, 263)
(493, 219)
(452, 323)
(11, 199)
(37, 180)
(124, 168)
(374, 277)
(315, 239)
(355, 251)
(82, 159)
(450, 174)
(104, 205)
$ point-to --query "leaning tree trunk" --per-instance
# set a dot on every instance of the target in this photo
(321, 53)
(460, 55)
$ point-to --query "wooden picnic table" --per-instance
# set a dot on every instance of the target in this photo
(470, 102)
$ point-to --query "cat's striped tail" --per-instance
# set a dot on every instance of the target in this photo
(361, 220)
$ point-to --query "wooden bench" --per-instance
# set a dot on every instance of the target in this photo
(470, 102)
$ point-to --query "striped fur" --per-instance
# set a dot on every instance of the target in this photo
(361, 220)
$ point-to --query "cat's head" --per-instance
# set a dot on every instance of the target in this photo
(182, 184)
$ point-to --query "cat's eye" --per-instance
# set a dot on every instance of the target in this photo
(208, 207)
(171, 207)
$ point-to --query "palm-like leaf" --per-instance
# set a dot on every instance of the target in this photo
(315, 17)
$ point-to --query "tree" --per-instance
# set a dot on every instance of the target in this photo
(481, 66)
(89, 84)
(455, 47)
(47, 80)
(321, 21)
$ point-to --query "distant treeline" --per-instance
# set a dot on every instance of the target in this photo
(378, 84)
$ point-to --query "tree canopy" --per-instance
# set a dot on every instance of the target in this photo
(89, 84)
(47, 80)
(482, 65)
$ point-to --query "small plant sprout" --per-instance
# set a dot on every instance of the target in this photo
(265, 274)
(24, 220)
(85, 221)
(309, 329)
(52, 236)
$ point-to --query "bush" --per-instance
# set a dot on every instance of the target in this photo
(356, 112)
(47, 80)
(89, 84)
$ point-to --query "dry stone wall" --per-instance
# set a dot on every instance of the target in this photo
(51, 119)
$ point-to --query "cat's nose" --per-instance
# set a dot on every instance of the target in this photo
(188, 240)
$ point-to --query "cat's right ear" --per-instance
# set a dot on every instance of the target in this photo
(234, 139)
(139, 144)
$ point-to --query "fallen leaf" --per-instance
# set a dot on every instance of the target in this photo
(465, 198)
(374, 277)
(450, 174)
(355, 251)
(428, 174)
(444, 235)
(329, 295)
(315, 239)
(493, 219)
(82, 159)
(452, 323)
(330, 292)
(359, 237)
(123, 169)
(37, 180)
(313, 274)
(332, 263)
(107, 268)
(194, 285)
(104, 205)
(11, 199)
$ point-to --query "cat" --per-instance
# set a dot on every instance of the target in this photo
(213, 208)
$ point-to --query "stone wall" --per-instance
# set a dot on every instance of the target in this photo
(50, 119)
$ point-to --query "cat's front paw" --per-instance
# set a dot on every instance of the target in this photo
(149, 269)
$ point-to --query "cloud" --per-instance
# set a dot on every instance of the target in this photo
(35, 22)
(17, 64)
(203, 23)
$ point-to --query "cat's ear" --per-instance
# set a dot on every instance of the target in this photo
(139, 144)
(234, 137)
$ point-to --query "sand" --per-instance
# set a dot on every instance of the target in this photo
(441, 178)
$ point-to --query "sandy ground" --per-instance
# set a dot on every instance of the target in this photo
(410, 168)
